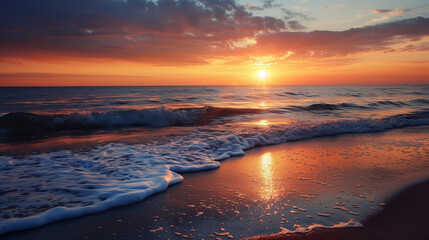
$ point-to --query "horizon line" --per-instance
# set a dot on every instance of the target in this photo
(235, 85)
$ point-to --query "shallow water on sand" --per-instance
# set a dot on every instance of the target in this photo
(325, 181)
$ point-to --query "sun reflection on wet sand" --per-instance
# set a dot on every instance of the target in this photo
(268, 189)
(263, 122)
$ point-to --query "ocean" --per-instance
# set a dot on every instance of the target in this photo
(70, 151)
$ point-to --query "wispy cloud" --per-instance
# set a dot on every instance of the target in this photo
(335, 5)
(253, 7)
(385, 14)
(266, 4)
(270, 4)
(13, 62)
(390, 11)
(289, 14)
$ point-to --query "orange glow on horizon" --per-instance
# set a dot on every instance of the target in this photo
(358, 69)
(167, 47)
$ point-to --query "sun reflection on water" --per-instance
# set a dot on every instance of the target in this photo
(268, 189)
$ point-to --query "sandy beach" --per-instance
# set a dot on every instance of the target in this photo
(404, 217)
(324, 180)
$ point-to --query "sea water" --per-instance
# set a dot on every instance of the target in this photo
(70, 151)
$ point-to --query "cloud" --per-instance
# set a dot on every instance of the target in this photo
(289, 14)
(114, 17)
(177, 32)
(295, 25)
(136, 30)
(266, 4)
(253, 7)
(390, 11)
(270, 4)
(420, 47)
(386, 14)
(8, 61)
(321, 44)
(335, 5)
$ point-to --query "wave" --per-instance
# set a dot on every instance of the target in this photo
(341, 106)
(420, 101)
(118, 174)
(119, 103)
(164, 116)
(324, 107)
(384, 103)
(153, 117)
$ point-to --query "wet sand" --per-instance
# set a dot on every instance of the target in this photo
(406, 216)
(324, 180)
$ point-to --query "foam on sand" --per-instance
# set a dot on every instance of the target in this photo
(300, 229)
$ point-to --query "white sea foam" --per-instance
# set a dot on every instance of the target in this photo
(47, 187)
(300, 229)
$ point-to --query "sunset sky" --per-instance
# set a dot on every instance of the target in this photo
(213, 42)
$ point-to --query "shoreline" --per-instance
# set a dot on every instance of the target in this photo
(238, 183)
(405, 216)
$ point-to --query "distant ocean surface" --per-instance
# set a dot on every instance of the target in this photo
(69, 151)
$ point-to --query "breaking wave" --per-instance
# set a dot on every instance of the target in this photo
(164, 116)
(325, 107)
(153, 117)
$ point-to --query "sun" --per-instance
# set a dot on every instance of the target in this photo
(262, 74)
